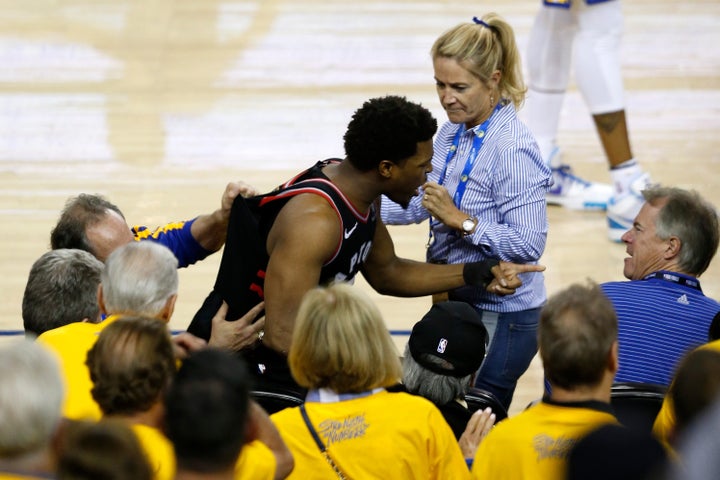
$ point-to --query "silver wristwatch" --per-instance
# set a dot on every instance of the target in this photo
(468, 226)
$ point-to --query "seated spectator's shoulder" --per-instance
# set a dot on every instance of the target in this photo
(615, 285)
(616, 289)
(18, 476)
(714, 345)
(70, 330)
(407, 402)
(256, 462)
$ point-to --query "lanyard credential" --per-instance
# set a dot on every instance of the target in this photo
(675, 278)
(478, 139)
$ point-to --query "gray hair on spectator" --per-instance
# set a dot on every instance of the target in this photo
(31, 396)
(686, 215)
(139, 278)
(61, 289)
(439, 389)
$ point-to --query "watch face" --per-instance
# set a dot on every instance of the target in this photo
(468, 225)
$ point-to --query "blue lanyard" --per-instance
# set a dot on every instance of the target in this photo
(478, 140)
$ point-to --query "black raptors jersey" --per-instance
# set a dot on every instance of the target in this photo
(241, 277)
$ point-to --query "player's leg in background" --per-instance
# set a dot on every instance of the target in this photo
(599, 78)
(549, 55)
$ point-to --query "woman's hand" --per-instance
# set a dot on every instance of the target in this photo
(437, 200)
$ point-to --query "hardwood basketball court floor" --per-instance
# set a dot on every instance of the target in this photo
(158, 104)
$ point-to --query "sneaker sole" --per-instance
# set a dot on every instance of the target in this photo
(574, 203)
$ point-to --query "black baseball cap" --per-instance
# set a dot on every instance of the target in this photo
(454, 332)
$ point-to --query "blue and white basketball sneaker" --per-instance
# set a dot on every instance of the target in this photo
(570, 191)
(622, 209)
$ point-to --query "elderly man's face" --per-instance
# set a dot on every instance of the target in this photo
(647, 251)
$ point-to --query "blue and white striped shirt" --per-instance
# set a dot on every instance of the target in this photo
(505, 192)
(659, 321)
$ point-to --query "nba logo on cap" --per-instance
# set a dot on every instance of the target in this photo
(453, 333)
(442, 345)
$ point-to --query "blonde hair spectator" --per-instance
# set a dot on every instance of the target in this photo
(351, 349)
(482, 47)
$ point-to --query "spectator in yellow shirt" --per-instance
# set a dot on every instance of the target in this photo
(695, 393)
(138, 279)
(211, 421)
(108, 450)
(131, 365)
(350, 424)
(577, 336)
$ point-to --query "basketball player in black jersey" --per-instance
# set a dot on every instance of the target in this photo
(323, 225)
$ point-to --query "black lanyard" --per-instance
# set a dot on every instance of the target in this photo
(321, 445)
(675, 278)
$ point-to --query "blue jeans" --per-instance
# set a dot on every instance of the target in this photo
(512, 347)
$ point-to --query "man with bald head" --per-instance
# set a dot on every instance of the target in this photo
(94, 224)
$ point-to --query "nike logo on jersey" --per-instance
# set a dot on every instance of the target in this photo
(350, 232)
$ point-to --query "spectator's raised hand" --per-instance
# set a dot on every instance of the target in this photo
(238, 334)
(477, 428)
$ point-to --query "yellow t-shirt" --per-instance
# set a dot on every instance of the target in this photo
(256, 462)
(382, 435)
(535, 443)
(158, 449)
(71, 343)
(18, 476)
(665, 420)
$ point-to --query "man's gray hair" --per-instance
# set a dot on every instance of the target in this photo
(439, 389)
(139, 278)
(688, 216)
(61, 289)
(31, 396)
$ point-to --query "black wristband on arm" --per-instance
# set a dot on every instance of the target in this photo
(478, 274)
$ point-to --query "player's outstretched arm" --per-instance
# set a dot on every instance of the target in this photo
(391, 275)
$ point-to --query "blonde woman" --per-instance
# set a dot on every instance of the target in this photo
(486, 194)
(350, 426)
